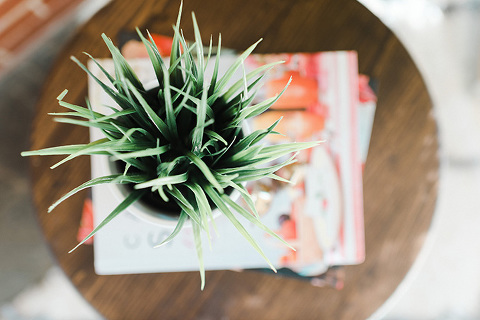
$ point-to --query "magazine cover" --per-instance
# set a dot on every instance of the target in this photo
(320, 213)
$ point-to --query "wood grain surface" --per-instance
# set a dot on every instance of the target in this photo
(400, 182)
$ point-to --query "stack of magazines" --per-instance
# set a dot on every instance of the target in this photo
(320, 213)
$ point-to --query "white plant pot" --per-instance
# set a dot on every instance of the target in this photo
(140, 209)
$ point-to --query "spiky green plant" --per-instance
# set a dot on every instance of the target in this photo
(183, 139)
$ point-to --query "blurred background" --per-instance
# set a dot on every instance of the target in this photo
(442, 36)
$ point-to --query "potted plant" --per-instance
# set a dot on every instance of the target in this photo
(182, 143)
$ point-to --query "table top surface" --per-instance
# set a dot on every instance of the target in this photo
(400, 178)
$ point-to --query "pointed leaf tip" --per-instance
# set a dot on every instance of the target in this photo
(62, 95)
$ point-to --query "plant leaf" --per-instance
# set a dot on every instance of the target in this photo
(222, 83)
(186, 205)
(213, 82)
(181, 221)
(203, 207)
(162, 181)
(121, 65)
(198, 245)
(91, 183)
(200, 57)
(143, 153)
(245, 196)
(155, 57)
(205, 170)
(219, 202)
(237, 85)
(176, 76)
(131, 198)
(201, 116)
(155, 119)
(247, 215)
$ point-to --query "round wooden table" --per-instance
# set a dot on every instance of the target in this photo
(400, 181)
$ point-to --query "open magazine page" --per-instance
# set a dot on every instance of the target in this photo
(321, 214)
